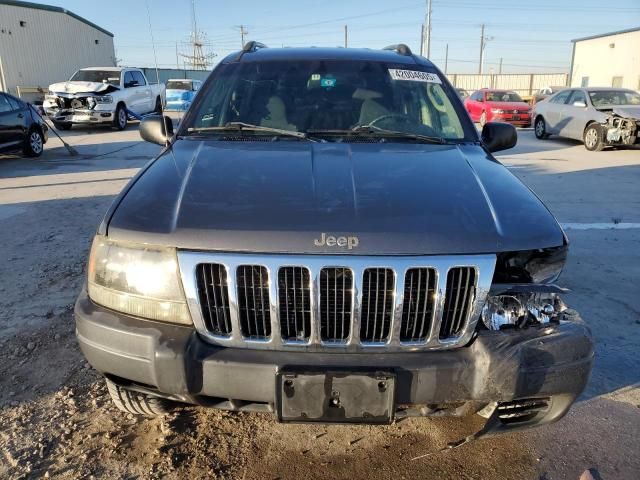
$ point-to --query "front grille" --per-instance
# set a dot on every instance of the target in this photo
(419, 304)
(294, 290)
(214, 297)
(306, 302)
(457, 301)
(336, 293)
(253, 301)
(377, 304)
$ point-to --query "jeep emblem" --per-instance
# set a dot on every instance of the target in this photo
(331, 241)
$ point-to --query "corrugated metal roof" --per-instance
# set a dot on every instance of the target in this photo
(619, 32)
(51, 8)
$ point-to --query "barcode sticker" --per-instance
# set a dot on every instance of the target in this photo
(414, 76)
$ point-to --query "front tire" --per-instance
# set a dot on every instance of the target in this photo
(593, 138)
(120, 120)
(483, 119)
(34, 143)
(540, 128)
(137, 403)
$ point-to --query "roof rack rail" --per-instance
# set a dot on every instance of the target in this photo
(400, 48)
(252, 46)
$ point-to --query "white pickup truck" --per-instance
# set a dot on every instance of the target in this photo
(102, 95)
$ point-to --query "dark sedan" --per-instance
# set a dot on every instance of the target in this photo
(21, 128)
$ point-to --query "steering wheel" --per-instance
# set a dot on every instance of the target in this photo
(386, 116)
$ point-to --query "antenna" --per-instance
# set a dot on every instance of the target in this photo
(198, 60)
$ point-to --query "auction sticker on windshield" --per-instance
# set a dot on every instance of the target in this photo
(414, 75)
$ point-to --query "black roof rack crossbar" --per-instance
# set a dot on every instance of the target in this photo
(400, 48)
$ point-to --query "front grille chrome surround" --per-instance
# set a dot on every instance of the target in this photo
(280, 308)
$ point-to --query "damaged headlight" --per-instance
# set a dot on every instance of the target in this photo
(140, 280)
(91, 101)
(104, 99)
(521, 309)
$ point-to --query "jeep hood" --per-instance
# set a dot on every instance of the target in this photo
(280, 196)
(82, 87)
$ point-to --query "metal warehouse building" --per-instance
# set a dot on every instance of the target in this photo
(41, 45)
(608, 60)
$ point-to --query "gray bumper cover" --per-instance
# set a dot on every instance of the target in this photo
(554, 361)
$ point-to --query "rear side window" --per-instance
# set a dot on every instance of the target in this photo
(561, 97)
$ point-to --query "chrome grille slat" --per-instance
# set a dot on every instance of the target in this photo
(212, 280)
(344, 303)
(336, 296)
(454, 315)
(419, 305)
(377, 310)
(295, 303)
(251, 314)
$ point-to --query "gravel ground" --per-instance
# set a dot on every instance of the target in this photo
(58, 422)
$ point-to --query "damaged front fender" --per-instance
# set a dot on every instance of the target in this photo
(622, 126)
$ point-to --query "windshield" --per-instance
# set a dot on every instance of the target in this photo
(614, 97)
(503, 97)
(179, 85)
(328, 96)
(98, 76)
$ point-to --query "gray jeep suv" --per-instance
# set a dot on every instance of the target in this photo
(327, 238)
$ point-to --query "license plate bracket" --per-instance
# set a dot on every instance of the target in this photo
(336, 397)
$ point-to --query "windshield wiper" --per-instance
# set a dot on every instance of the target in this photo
(395, 133)
(378, 132)
(242, 127)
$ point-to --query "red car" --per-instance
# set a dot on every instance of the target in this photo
(489, 105)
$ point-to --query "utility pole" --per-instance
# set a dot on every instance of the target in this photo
(481, 49)
(177, 62)
(422, 40)
(446, 58)
(426, 50)
(500, 67)
(346, 36)
(243, 32)
(483, 43)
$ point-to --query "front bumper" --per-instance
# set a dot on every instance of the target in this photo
(171, 361)
(79, 116)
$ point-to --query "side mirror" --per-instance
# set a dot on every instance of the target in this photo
(499, 136)
(579, 104)
(156, 129)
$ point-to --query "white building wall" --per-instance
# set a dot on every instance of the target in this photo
(48, 49)
(600, 59)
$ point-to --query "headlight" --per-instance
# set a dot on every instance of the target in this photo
(104, 99)
(136, 279)
(521, 309)
(497, 110)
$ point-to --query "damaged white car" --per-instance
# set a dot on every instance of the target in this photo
(600, 117)
(102, 95)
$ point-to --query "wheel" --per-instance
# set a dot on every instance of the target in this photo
(137, 403)
(540, 128)
(158, 108)
(120, 120)
(593, 140)
(483, 119)
(34, 143)
(62, 126)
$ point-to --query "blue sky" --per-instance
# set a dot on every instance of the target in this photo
(529, 35)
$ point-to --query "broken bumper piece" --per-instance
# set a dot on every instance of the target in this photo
(515, 378)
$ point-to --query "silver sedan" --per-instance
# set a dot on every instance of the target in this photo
(585, 113)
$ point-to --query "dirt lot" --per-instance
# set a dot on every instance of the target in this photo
(57, 420)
